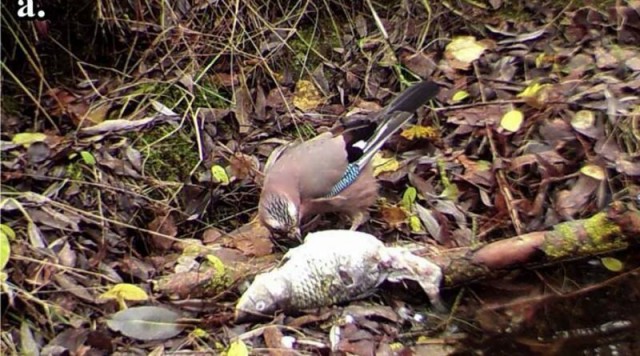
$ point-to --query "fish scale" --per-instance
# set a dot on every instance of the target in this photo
(334, 266)
(318, 276)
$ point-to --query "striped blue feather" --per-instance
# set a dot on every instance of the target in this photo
(350, 175)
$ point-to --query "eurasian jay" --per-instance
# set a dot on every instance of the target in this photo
(332, 172)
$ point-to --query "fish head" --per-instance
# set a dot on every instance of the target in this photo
(267, 294)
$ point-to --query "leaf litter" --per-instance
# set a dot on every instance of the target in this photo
(146, 170)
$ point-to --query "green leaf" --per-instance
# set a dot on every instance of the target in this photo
(459, 96)
(27, 138)
(88, 158)
(5, 250)
(612, 264)
(414, 223)
(409, 197)
(7, 230)
(219, 175)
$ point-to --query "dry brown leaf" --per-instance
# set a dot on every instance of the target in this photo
(163, 224)
(252, 239)
(394, 216)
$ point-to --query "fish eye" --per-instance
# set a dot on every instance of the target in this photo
(260, 305)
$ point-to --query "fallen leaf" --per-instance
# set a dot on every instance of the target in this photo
(27, 138)
(237, 348)
(243, 166)
(88, 158)
(415, 132)
(307, 97)
(584, 122)
(243, 105)
(393, 215)
(219, 175)
(409, 197)
(512, 120)
(163, 224)
(463, 51)
(146, 323)
(125, 291)
(612, 264)
(382, 165)
(414, 224)
(593, 171)
(532, 90)
(5, 250)
(459, 96)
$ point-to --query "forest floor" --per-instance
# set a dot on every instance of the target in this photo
(134, 136)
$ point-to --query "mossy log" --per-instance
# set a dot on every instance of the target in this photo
(616, 228)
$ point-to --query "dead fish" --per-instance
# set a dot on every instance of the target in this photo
(334, 266)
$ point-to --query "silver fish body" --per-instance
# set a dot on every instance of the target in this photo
(330, 267)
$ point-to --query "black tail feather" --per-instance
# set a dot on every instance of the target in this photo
(396, 114)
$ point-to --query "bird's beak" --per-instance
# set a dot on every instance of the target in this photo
(295, 234)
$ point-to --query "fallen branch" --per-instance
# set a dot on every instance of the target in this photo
(614, 229)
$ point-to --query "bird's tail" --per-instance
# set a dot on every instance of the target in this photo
(396, 114)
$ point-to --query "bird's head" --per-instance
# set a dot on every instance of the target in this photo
(280, 214)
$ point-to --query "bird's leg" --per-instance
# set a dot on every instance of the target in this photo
(358, 219)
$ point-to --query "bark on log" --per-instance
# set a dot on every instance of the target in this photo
(616, 228)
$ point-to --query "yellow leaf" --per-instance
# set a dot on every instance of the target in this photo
(464, 49)
(381, 164)
(27, 138)
(583, 120)
(532, 90)
(593, 171)
(459, 96)
(512, 120)
(5, 250)
(219, 175)
(238, 348)
(415, 224)
(612, 264)
(306, 96)
(418, 131)
(199, 333)
(125, 291)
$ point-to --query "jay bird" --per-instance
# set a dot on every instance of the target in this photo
(333, 172)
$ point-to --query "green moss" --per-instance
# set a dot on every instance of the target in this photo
(74, 170)
(561, 241)
(311, 43)
(169, 155)
(598, 228)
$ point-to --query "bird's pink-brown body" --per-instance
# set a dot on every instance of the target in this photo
(302, 181)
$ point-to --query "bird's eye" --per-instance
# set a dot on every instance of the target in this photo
(260, 305)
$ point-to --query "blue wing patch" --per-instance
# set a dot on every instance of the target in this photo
(350, 175)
